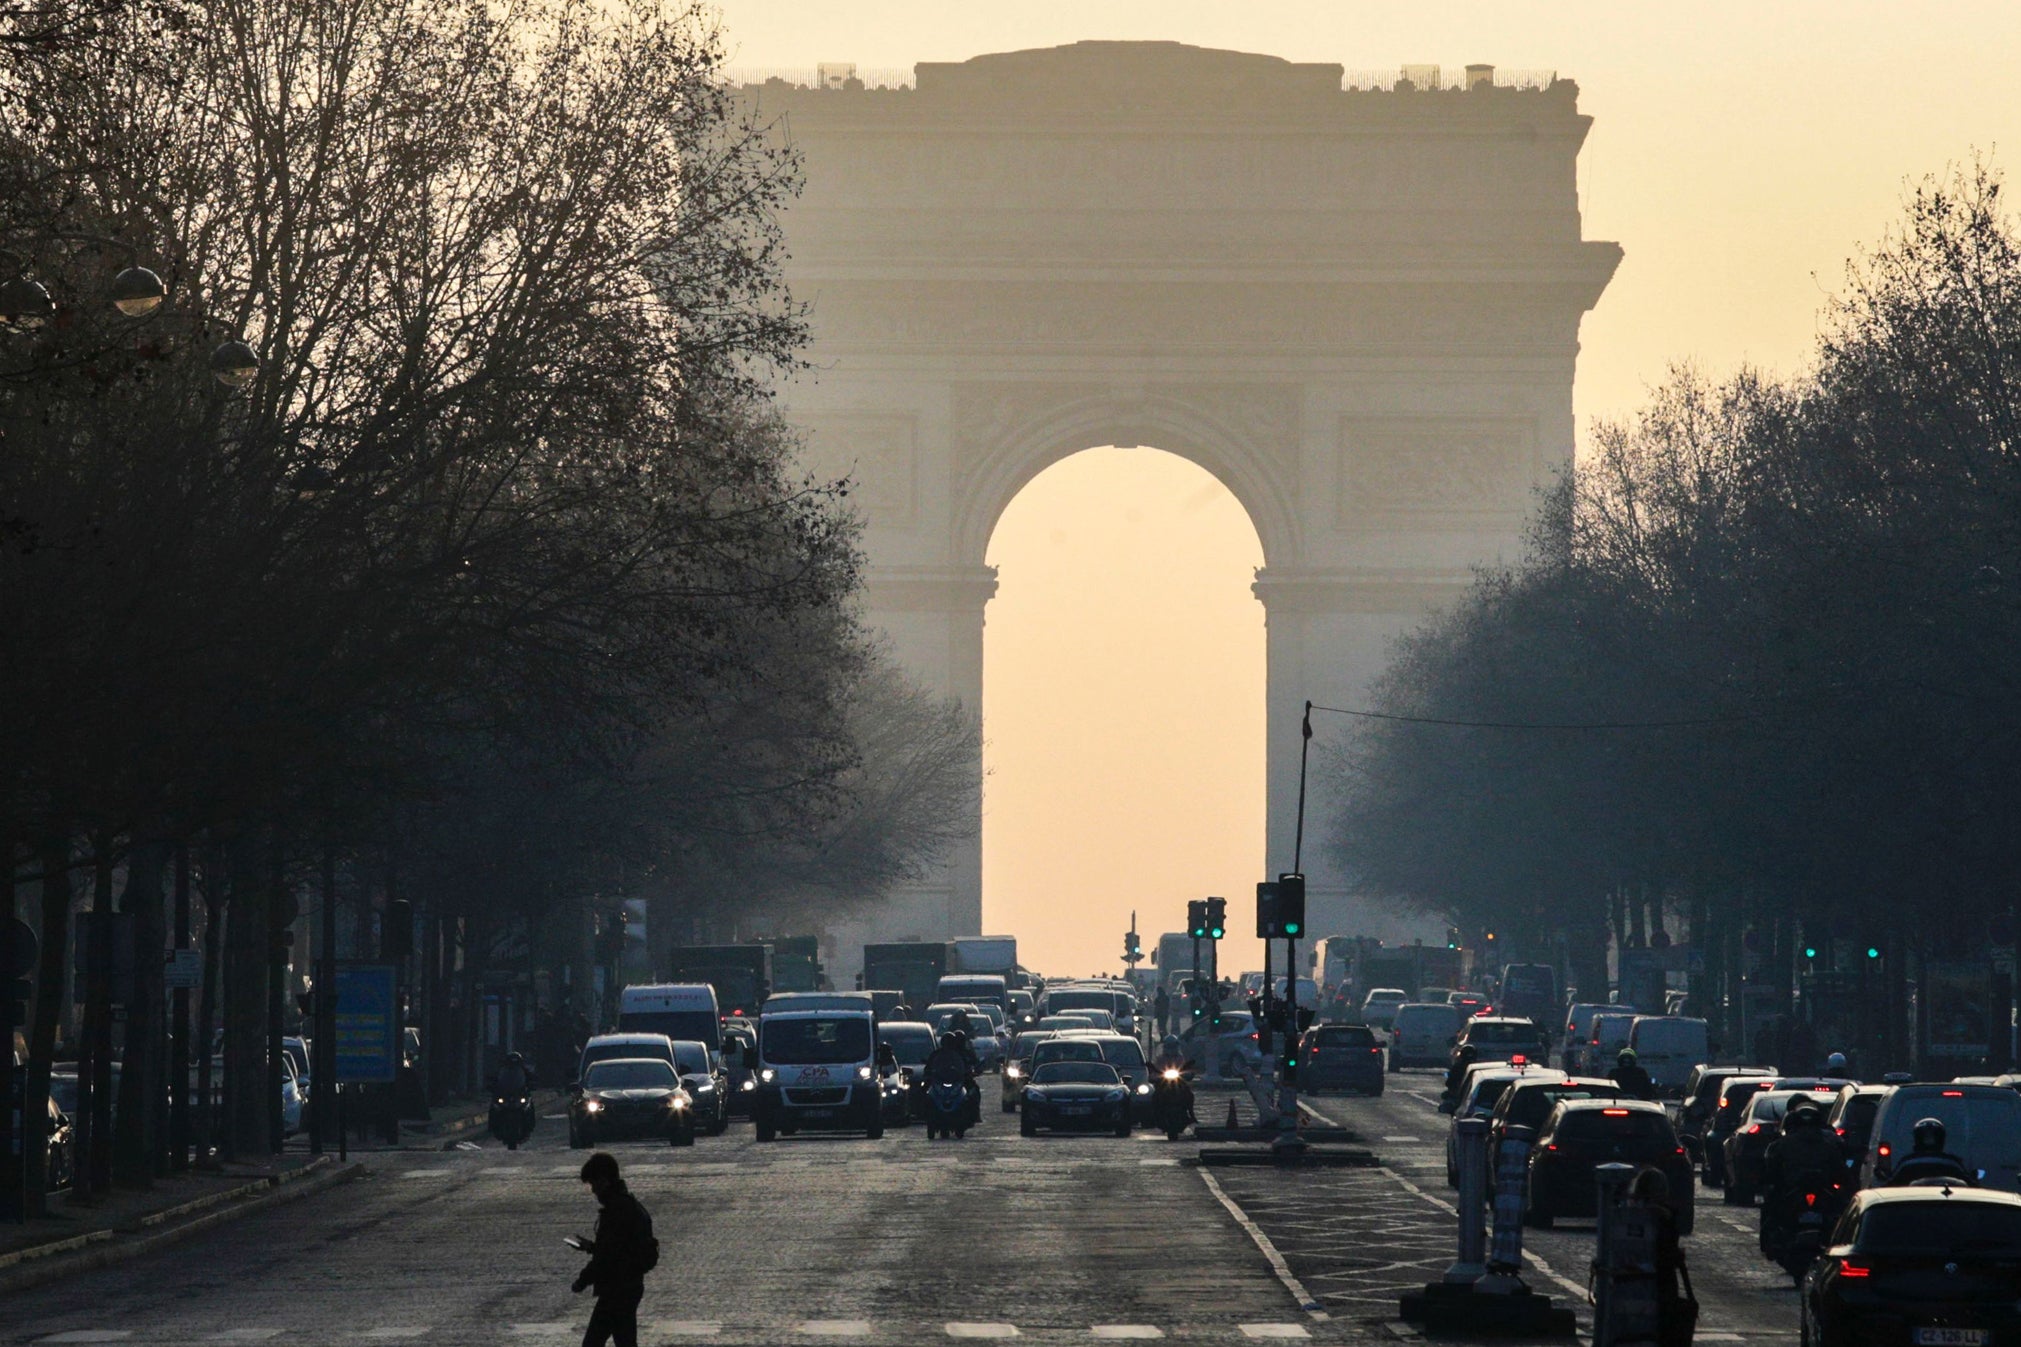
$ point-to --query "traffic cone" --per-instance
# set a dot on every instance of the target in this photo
(1233, 1121)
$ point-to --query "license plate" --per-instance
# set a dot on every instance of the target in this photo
(1950, 1337)
(1074, 1110)
(817, 1113)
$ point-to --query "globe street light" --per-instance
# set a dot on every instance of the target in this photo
(25, 304)
(137, 292)
(234, 364)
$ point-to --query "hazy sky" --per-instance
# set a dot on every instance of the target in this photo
(1739, 153)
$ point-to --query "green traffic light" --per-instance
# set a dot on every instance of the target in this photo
(1873, 953)
(1810, 952)
(1291, 928)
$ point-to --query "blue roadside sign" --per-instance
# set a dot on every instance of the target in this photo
(368, 1023)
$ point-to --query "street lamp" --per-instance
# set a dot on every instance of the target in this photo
(137, 292)
(25, 304)
(234, 364)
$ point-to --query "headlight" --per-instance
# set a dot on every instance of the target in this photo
(768, 1075)
(1034, 1095)
(703, 1086)
(1172, 1073)
(748, 1084)
(592, 1106)
(1013, 1071)
(1144, 1089)
(864, 1073)
(677, 1102)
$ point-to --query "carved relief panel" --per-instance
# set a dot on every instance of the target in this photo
(877, 452)
(1433, 471)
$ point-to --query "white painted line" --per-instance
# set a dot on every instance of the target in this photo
(1529, 1256)
(1159, 1160)
(1274, 1331)
(1416, 1141)
(89, 1335)
(506, 1171)
(981, 1330)
(836, 1328)
(1305, 1298)
(1717, 1337)
(1739, 1225)
(1126, 1331)
(396, 1332)
(427, 1173)
(1431, 1099)
(688, 1328)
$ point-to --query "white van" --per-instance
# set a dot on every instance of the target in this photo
(1605, 1040)
(1982, 1127)
(1579, 1027)
(677, 1009)
(1668, 1047)
(817, 1069)
(1423, 1034)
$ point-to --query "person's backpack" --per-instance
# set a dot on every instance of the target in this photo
(649, 1244)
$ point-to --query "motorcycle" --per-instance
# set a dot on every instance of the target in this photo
(512, 1119)
(1795, 1224)
(947, 1109)
(1171, 1103)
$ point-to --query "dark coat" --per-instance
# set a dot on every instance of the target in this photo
(621, 1245)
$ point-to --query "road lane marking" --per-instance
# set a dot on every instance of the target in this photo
(1159, 1160)
(546, 1330)
(1274, 1331)
(836, 1328)
(1126, 1331)
(427, 1173)
(397, 1332)
(89, 1335)
(981, 1330)
(1529, 1255)
(246, 1335)
(1306, 1300)
(1416, 1141)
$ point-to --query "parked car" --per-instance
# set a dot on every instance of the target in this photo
(1423, 1034)
(1582, 1134)
(1065, 1095)
(638, 1097)
(1341, 1057)
(1982, 1127)
(1921, 1266)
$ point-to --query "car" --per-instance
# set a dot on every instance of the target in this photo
(1017, 1068)
(630, 1097)
(740, 1038)
(292, 1098)
(1761, 1126)
(609, 1047)
(1064, 1095)
(1606, 1038)
(1527, 1103)
(1126, 1054)
(1470, 1003)
(1340, 1057)
(911, 1042)
(1504, 1038)
(1379, 1006)
(1479, 1091)
(1229, 1048)
(61, 1167)
(1734, 1097)
(1578, 1025)
(1118, 1003)
(1423, 1033)
(1668, 1047)
(1852, 1119)
(1099, 1019)
(1580, 1135)
(1702, 1091)
(1436, 996)
(1022, 1007)
(702, 1075)
(1918, 1265)
(1982, 1127)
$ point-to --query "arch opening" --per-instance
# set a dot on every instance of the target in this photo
(1123, 708)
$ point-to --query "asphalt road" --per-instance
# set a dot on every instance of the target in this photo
(805, 1240)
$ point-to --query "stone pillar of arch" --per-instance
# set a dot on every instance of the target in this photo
(1358, 310)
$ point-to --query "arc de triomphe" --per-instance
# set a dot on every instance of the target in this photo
(1358, 309)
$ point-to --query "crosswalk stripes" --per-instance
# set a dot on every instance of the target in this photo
(982, 1330)
(1115, 1331)
(688, 1330)
(1274, 1331)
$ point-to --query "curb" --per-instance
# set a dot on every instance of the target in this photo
(49, 1262)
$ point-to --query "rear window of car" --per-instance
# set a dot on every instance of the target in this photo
(1068, 1050)
(1125, 1054)
(1594, 1124)
(1444, 1017)
(1940, 1227)
(1346, 1036)
(1981, 1125)
(1737, 1093)
(1498, 1034)
(1530, 1106)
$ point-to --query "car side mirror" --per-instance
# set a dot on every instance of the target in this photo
(575, 1087)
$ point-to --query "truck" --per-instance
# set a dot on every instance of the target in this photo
(983, 954)
(796, 963)
(914, 967)
(1173, 958)
(1350, 967)
(741, 974)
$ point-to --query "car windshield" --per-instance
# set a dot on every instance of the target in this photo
(1496, 1034)
(1076, 1073)
(1529, 1107)
(1345, 1036)
(692, 1058)
(1596, 1124)
(816, 1042)
(1089, 999)
(604, 1052)
(1981, 1125)
(1125, 1054)
(1940, 1227)
(1066, 1022)
(1068, 1050)
(629, 1075)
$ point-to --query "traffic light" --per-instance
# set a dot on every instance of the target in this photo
(1217, 918)
(1810, 951)
(1133, 947)
(1873, 952)
(1269, 925)
(1452, 937)
(1196, 919)
(1291, 905)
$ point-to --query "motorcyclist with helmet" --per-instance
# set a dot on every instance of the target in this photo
(1807, 1159)
(1630, 1076)
(512, 1113)
(1835, 1067)
(953, 1060)
(1929, 1159)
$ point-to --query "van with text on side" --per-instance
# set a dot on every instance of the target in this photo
(683, 1010)
(817, 1071)
(975, 987)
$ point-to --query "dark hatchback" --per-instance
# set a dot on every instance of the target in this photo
(1583, 1134)
(1076, 1096)
(1758, 1128)
(1918, 1267)
(1340, 1057)
(631, 1097)
(1697, 1116)
(1852, 1119)
(1528, 1103)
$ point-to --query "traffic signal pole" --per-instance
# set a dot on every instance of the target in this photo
(1291, 912)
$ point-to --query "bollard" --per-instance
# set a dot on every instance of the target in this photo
(1505, 1256)
(1473, 1165)
(1234, 1119)
(1619, 1315)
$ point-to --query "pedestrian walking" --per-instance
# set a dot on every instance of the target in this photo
(1162, 1002)
(621, 1253)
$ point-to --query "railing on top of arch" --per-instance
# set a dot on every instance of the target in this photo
(1402, 79)
(1437, 79)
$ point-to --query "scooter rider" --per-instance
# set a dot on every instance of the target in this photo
(1834, 1067)
(1630, 1076)
(952, 1060)
(1929, 1159)
(1171, 1057)
(1806, 1158)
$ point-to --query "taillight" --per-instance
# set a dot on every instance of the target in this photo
(1840, 1130)
(1680, 1150)
(1375, 1050)
(1854, 1267)
(1953, 1094)
(1885, 1151)
(1614, 1112)
(1755, 1128)
(1810, 1199)
(1722, 1101)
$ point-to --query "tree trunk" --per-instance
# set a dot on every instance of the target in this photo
(217, 897)
(245, 996)
(142, 1077)
(55, 856)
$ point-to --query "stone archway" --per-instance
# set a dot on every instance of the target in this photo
(1358, 309)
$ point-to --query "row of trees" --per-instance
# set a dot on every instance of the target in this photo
(1758, 666)
(493, 581)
